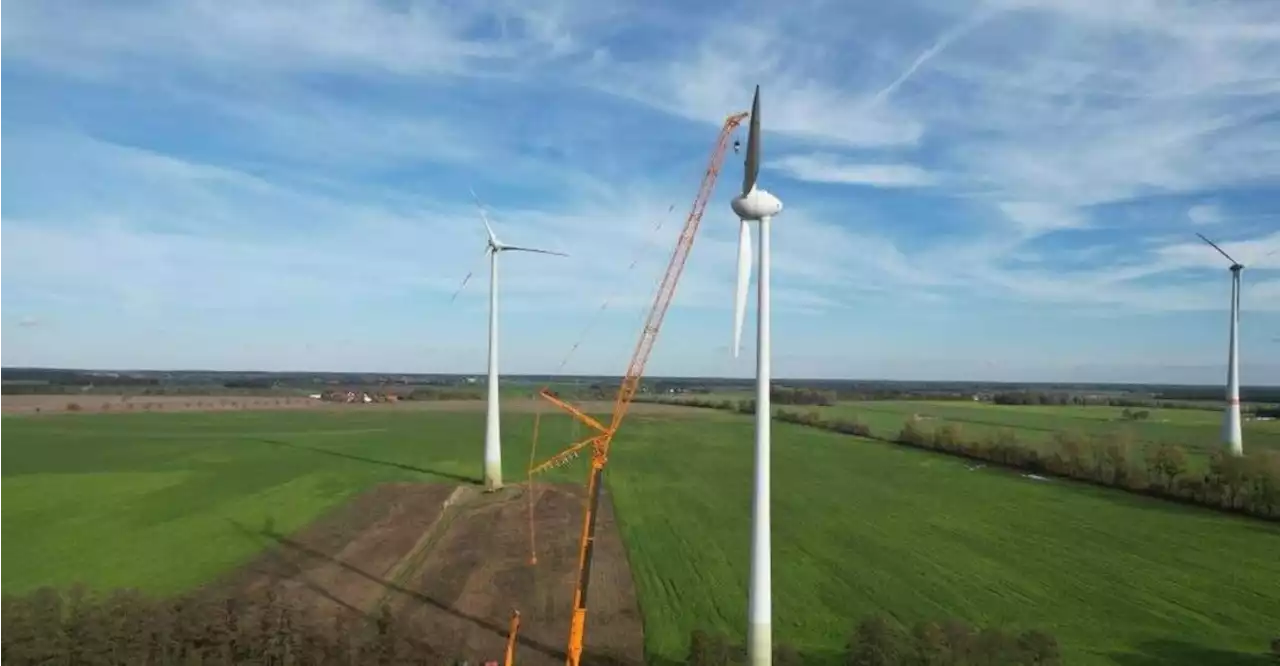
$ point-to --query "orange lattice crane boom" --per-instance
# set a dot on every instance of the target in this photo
(600, 441)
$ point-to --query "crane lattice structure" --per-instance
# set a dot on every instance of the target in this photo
(602, 438)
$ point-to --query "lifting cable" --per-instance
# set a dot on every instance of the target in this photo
(537, 417)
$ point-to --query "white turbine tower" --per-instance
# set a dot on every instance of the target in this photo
(492, 426)
(1231, 435)
(760, 206)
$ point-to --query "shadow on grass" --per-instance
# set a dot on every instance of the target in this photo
(297, 547)
(460, 478)
(1178, 653)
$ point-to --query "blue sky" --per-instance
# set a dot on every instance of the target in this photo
(1004, 190)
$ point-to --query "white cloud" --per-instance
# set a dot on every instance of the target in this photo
(1268, 290)
(1101, 104)
(418, 37)
(332, 119)
(1035, 218)
(240, 232)
(1255, 253)
(1205, 214)
(714, 81)
(825, 168)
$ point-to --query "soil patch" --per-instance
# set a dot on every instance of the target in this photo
(452, 563)
(479, 571)
(339, 561)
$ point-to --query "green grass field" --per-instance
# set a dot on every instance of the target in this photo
(1198, 431)
(151, 500)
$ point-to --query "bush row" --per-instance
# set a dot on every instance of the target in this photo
(445, 394)
(128, 628)
(129, 406)
(781, 395)
(1248, 484)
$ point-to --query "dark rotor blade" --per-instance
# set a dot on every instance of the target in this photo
(518, 248)
(1215, 246)
(483, 217)
(467, 279)
(751, 167)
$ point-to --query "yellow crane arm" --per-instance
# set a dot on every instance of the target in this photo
(509, 657)
(627, 390)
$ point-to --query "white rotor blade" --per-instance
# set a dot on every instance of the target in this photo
(484, 218)
(518, 248)
(467, 278)
(744, 280)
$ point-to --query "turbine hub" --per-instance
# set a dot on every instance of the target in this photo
(756, 204)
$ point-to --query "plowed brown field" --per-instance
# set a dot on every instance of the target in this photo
(453, 563)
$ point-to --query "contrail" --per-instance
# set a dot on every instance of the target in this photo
(944, 40)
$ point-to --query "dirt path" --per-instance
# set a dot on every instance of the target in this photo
(453, 562)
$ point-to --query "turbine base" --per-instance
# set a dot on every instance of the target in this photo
(492, 477)
(760, 644)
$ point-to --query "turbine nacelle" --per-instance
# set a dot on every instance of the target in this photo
(756, 204)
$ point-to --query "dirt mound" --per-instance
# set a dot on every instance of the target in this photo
(452, 563)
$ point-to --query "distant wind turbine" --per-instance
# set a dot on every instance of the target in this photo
(492, 429)
(1231, 434)
(761, 206)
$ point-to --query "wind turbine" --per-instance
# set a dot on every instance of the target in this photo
(1231, 435)
(760, 206)
(492, 426)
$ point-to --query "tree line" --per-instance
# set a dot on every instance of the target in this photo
(782, 395)
(1129, 401)
(1248, 484)
(128, 628)
(435, 393)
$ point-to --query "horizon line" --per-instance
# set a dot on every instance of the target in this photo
(618, 376)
